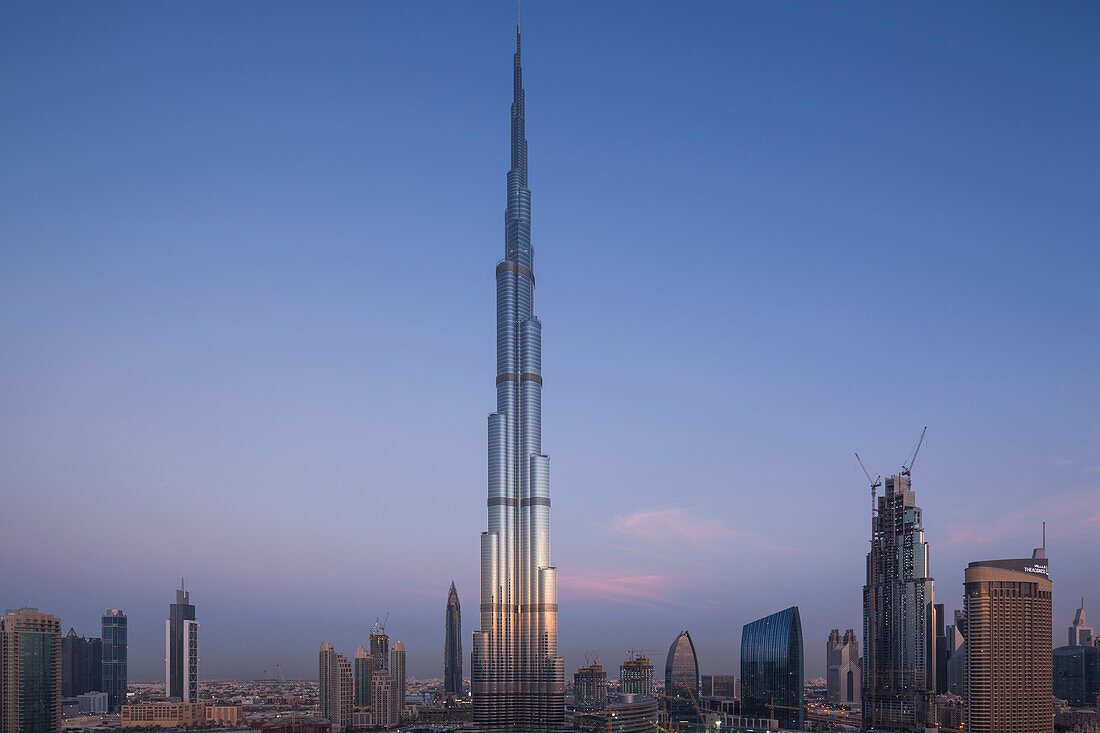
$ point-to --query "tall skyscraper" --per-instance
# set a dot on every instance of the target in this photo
(590, 689)
(899, 677)
(30, 672)
(379, 649)
(518, 677)
(452, 646)
(956, 655)
(940, 644)
(382, 699)
(362, 671)
(1008, 649)
(682, 682)
(114, 658)
(1080, 633)
(328, 677)
(397, 671)
(772, 668)
(636, 676)
(345, 689)
(80, 665)
(181, 649)
(843, 681)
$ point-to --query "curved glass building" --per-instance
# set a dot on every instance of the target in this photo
(518, 678)
(682, 683)
(772, 660)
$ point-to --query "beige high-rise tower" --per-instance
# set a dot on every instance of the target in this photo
(1008, 660)
(30, 671)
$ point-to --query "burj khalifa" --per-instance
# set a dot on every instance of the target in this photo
(517, 676)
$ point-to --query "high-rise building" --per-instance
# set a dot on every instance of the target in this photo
(940, 642)
(181, 649)
(397, 671)
(772, 668)
(956, 655)
(80, 665)
(1008, 648)
(590, 689)
(518, 677)
(382, 705)
(379, 649)
(93, 667)
(30, 672)
(1080, 633)
(1077, 675)
(899, 673)
(113, 671)
(328, 677)
(452, 646)
(720, 685)
(346, 691)
(362, 667)
(636, 676)
(682, 683)
(844, 679)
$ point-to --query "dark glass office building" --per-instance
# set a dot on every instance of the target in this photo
(452, 646)
(81, 665)
(181, 666)
(682, 684)
(1077, 675)
(114, 658)
(772, 665)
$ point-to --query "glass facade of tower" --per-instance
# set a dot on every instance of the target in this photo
(1077, 674)
(452, 646)
(682, 683)
(181, 658)
(30, 672)
(114, 658)
(772, 666)
(518, 677)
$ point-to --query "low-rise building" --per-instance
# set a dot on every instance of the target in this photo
(163, 714)
(170, 714)
(92, 703)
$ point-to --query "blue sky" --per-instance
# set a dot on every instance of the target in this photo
(246, 309)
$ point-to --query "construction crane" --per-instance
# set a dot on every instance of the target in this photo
(872, 581)
(908, 466)
(380, 626)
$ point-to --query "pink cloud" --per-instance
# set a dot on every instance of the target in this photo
(679, 525)
(614, 587)
(1071, 515)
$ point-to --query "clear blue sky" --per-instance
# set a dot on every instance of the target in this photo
(247, 322)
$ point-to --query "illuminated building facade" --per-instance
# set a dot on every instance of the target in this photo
(518, 678)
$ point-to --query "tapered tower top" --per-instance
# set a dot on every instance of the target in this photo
(519, 139)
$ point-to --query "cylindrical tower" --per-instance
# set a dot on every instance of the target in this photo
(518, 678)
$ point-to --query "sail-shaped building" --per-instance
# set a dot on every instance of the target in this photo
(517, 676)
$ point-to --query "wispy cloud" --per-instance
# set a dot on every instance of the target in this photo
(679, 525)
(618, 587)
(1069, 515)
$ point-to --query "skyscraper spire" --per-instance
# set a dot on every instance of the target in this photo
(517, 675)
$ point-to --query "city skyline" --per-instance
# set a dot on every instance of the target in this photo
(200, 343)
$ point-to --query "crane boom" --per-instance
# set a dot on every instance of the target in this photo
(913, 458)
